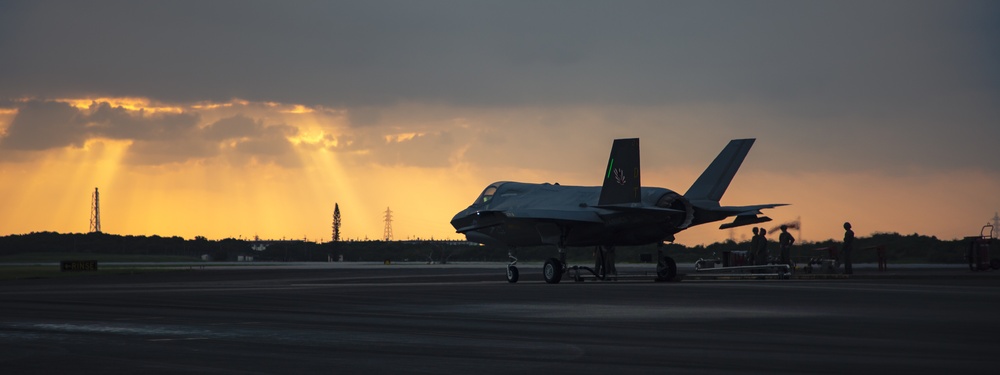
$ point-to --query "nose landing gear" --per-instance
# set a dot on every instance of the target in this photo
(512, 273)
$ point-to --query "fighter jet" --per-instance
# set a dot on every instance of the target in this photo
(620, 213)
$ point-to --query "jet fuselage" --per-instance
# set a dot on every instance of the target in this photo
(523, 214)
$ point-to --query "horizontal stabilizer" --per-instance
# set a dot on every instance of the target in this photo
(745, 220)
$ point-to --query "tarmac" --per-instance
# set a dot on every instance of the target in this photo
(465, 318)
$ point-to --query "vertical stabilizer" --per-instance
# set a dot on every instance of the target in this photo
(714, 181)
(621, 177)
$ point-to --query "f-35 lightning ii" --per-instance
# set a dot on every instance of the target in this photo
(619, 213)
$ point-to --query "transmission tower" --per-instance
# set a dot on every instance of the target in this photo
(95, 213)
(387, 235)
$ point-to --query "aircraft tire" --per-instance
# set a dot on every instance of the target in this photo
(666, 270)
(512, 274)
(552, 271)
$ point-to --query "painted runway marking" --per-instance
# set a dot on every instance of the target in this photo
(180, 339)
(405, 284)
(138, 318)
(863, 287)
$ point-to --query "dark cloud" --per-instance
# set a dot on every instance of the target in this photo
(43, 125)
(422, 150)
(251, 139)
(235, 127)
(158, 138)
(6, 103)
(271, 145)
(120, 123)
(374, 146)
(160, 152)
(815, 55)
(364, 116)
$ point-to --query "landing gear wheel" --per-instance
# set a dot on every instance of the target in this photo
(552, 271)
(666, 269)
(512, 274)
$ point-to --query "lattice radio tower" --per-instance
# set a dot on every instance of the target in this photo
(95, 213)
(387, 234)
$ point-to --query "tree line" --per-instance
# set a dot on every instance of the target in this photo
(913, 248)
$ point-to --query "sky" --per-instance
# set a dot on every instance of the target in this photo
(235, 119)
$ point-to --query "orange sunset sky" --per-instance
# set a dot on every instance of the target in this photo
(239, 119)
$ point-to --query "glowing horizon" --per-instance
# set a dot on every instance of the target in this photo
(276, 170)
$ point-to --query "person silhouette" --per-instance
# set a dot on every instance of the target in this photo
(785, 241)
(754, 246)
(762, 248)
(848, 246)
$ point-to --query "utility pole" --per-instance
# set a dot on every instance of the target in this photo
(95, 213)
(387, 234)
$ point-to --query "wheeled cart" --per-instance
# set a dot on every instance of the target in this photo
(827, 261)
(979, 250)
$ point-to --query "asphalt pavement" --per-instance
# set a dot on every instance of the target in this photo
(463, 319)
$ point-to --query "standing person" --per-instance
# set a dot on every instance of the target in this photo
(848, 246)
(785, 241)
(598, 260)
(754, 245)
(762, 248)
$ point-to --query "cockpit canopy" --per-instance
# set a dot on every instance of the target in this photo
(487, 194)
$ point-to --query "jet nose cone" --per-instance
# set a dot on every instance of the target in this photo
(460, 219)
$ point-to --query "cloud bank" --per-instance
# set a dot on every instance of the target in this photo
(156, 139)
(909, 84)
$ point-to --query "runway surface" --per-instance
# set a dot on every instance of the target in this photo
(465, 319)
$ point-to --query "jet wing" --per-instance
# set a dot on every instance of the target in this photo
(556, 215)
(629, 208)
(587, 216)
(488, 219)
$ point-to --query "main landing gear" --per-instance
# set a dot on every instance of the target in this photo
(666, 269)
(553, 270)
